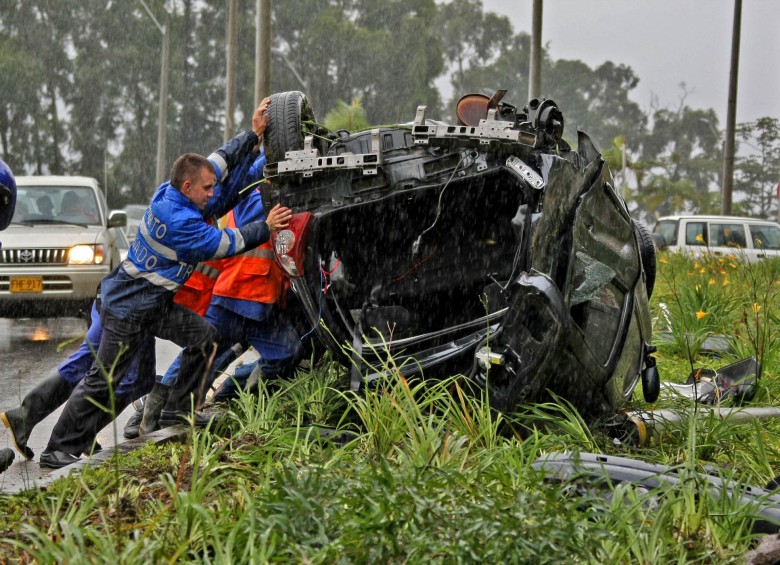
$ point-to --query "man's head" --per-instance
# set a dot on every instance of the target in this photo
(193, 175)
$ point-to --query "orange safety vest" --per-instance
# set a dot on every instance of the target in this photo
(252, 275)
(195, 294)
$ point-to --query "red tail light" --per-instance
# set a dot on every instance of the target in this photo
(289, 244)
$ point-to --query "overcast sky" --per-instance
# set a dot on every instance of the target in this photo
(668, 42)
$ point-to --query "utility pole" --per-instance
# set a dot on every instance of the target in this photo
(535, 68)
(263, 50)
(230, 87)
(731, 117)
(162, 116)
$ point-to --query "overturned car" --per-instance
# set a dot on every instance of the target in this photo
(488, 247)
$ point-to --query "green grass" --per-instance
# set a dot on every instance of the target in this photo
(422, 471)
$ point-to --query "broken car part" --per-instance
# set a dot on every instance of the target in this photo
(488, 247)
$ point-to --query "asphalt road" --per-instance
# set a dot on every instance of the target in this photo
(29, 350)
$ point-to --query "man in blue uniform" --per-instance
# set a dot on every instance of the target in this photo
(244, 310)
(7, 195)
(138, 295)
(7, 206)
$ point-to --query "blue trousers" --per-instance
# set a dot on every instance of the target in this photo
(274, 338)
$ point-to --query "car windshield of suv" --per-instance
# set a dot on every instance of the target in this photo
(56, 205)
(765, 237)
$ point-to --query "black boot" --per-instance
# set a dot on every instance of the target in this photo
(133, 425)
(6, 458)
(36, 405)
(155, 401)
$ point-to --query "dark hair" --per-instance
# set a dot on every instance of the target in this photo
(188, 167)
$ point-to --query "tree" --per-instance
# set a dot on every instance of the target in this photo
(683, 153)
(36, 72)
(758, 172)
(350, 117)
(384, 52)
(471, 38)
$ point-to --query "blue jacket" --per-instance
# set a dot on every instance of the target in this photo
(173, 238)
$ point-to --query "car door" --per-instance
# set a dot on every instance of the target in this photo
(729, 238)
(765, 240)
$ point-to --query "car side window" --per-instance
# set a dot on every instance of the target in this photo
(695, 234)
(764, 237)
(668, 231)
(727, 235)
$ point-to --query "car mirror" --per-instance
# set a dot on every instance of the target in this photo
(117, 219)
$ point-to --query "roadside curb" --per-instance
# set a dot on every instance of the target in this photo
(174, 433)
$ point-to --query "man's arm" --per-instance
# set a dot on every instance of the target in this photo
(233, 161)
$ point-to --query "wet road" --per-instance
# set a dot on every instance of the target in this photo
(29, 350)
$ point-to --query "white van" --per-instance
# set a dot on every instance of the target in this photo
(61, 242)
(720, 235)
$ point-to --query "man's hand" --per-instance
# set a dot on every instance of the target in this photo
(260, 117)
(278, 218)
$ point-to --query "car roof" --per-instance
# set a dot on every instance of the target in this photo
(716, 218)
(55, 180)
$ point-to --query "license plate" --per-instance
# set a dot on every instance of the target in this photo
(26, 284)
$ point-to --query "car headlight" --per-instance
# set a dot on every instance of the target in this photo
(86, 255)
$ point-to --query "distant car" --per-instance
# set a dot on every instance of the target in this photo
(488, 247)
(121, 242)
(747, 238)
(135, 213)
(59, 246)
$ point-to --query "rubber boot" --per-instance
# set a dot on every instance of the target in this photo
(133, 425)
(155, 401)
(36, 405)
(6, 458)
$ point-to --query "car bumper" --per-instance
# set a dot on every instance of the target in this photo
(64, 290)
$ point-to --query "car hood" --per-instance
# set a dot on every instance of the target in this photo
(49, 236)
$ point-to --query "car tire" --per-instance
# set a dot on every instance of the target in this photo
(285, 131)
(647, 253)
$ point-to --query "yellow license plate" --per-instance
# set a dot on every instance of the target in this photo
(26, 284)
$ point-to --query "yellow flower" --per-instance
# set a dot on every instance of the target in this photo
(732, 265)
(756, 307)
(700, 238)
(711, 282)
(663, 261)
(726, 282)
(700, 315)
(721, 260)
(697, 287)
(696, 265)
(732, 257)
(702, 271)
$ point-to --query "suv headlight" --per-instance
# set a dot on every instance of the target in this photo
(86, 255)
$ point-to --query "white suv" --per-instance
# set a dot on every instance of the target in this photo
(58, 248)
(720, 235)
